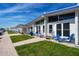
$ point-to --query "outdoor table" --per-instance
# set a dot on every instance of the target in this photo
(64, 38)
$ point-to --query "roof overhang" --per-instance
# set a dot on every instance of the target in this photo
(56, 12)
(63, 11)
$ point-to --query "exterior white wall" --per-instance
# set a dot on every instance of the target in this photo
(41, 28)
(49, 34)
(45, 26)
(77, 28)
(33, 28)
(53, 29)
(72, 26)
(27, 31)
(74, 29)
(20, 30)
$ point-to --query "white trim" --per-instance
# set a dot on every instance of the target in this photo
(45, 24)
(63, 9)
(76, 28)
(61, 29)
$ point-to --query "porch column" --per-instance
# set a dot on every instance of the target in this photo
(76, 28)
(41, 29)
(45, 24)
(27, 30)
(33, 29)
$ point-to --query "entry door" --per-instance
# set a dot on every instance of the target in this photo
(39, 29)
(58, 29)
(63, 29)
(50, 29)
(66, 29)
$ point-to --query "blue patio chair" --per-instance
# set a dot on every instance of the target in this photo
(70, 38)
(33, 34)
(41, 35)
(57, 37)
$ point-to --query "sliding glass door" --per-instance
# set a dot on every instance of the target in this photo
(63, 29)
(66, 29)
(50, 29)
(38, 29)
(58, 29)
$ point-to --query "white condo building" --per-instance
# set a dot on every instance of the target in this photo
(63, 22)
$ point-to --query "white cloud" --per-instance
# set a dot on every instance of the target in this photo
(19, 16)
(13, 17)
(16, 8)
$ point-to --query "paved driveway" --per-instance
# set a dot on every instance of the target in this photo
(6, 46)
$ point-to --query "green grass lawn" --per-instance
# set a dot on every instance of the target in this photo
(45, 48)
(11, 32)
(18, 38)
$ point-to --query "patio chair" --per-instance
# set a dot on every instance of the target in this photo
(31, 33)
(57, 37)
(71, 38)
(41, 35)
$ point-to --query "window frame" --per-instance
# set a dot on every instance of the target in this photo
(59, 29)
(43, 28)
(66, 16)
(66, 29)
(52, 19)
(50, 28)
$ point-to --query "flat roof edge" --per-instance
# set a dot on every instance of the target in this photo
(59, 10)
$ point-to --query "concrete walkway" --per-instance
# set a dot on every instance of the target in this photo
(36, 39)
(14, 34)
(6, 46)
(64, 43)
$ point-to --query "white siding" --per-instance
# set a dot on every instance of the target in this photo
(42, 29)
(76, 28)
(72, 28)
(54, 29)
(33, 26)
(49, 34)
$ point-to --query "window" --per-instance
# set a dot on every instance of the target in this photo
(39, 29)
(52, 18)
(40, 21)
(61, 17)
(66, 29)
(43, 28)
(58, 29)
(50, 28)
(66, 16)
(31, 28)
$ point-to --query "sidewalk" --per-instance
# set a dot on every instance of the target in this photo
(36, 39)
(14, 34)
(6, 46)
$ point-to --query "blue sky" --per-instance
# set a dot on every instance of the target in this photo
(12, 14)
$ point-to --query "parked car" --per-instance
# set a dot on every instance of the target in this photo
(2, 30)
